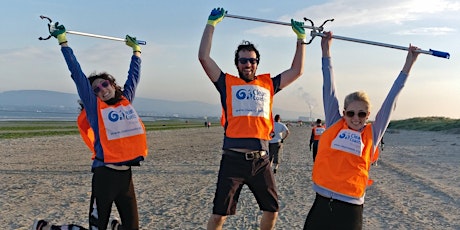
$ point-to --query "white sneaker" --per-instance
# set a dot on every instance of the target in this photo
(38, 224)
(114, 224)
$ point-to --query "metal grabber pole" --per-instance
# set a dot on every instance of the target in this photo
(318, 31)
(87, 34)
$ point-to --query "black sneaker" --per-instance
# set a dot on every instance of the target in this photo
(274, 171)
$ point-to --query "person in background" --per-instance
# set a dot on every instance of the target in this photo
(118, 139)
(246, 101)
(341, 171)
(275, 147)
(316, 132)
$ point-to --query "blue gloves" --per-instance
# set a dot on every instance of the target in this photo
(217, 14)
(58, 31)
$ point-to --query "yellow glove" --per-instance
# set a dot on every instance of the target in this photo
(58, 31)
(132, 42)
(217, 14)
(298, 29)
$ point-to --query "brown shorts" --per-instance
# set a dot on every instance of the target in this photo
(236, 171)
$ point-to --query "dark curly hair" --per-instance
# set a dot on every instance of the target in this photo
(104, 75)
(247, 46)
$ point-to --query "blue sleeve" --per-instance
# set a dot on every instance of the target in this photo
(87, 96)
(85, 92)
(382, 119)
(330, 101)
(134, 74)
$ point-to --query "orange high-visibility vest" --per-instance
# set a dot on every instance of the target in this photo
(317, 131)
(121, 132)
(249, 107)
(86, 132)
(343, 161)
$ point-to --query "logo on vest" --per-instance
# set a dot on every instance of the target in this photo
(121, 122)
(115, 116)
(250, 100)
(319, 130)
(348, 141)
(250, 94)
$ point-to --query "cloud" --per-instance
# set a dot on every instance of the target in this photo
(434, 31)
(350, 13)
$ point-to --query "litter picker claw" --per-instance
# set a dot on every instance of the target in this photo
(87, 34)
(318, 31)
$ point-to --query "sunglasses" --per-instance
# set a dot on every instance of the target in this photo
(100, 86)
(360, 114)
(245, 60)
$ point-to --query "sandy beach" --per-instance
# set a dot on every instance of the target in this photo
(417, 181)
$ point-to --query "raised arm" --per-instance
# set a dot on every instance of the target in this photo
(134, 72)
(330, 101)
(383, 116)
(209, 65)
(326, 44)
(296, 70)
(410, 59)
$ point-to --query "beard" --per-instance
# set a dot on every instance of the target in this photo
(247, 77)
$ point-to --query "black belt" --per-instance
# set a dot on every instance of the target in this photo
(247, 155)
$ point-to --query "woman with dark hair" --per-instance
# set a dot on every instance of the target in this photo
(112, 129)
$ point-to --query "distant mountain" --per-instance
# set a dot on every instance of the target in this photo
(46, 101)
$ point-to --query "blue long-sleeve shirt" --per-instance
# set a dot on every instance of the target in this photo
(89, 99)
(332, 114)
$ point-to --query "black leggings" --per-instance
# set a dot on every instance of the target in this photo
(113, 186)
(315, 149)
(327, 213)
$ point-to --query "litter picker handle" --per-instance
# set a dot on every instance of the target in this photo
(430, 52)
(102, 36)
(437, 53)
(86, 34)
(270, 21)
(317, 31)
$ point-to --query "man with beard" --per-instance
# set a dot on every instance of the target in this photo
(247, 111)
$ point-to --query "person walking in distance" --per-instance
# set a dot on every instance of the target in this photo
(316, 132)
(340, 173)
(113, 131)
(280, 133)
(246, 101)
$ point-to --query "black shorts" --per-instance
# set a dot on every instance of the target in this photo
(235, 171)
(275, 150)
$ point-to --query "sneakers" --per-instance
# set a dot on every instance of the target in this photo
(38, 225)
(115, 224)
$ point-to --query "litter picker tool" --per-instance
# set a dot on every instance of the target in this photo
(318, 31)
(87, 34)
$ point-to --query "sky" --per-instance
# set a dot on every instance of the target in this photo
(173, 29)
